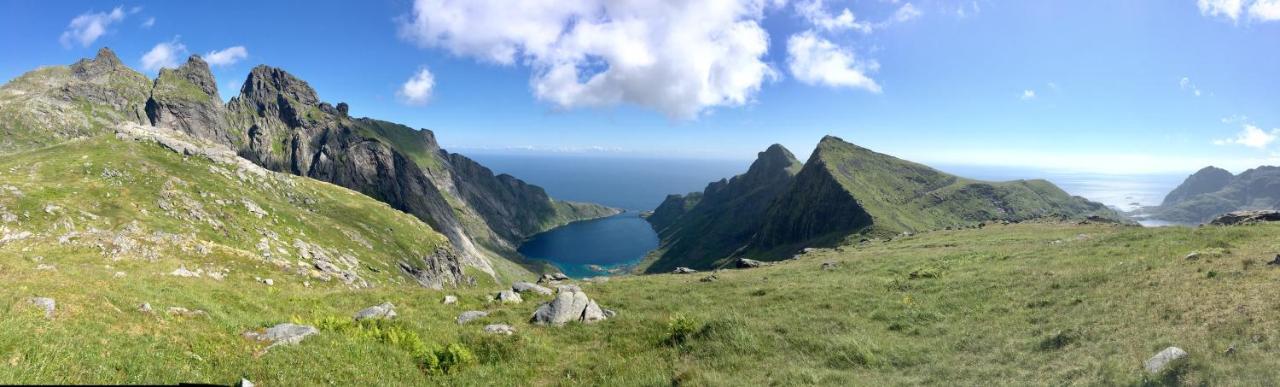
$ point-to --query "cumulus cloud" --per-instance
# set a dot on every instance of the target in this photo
(816, 13)
(165, 54)
(227, 56)
(1028, 94)
(150, 22)
(1260, 10)
(676, 56)
(970, 9)
(417, 90)
(817, 61)
(906, 13)
(1251, 136)
(89, 26)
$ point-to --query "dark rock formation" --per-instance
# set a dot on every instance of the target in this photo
(1246, 217)
(1207, 180)
(1212, 192)
(186, 99)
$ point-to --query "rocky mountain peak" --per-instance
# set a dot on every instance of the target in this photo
(266, 84)
(1209, 179)
(196, 71)
(104, 63)
(774, 158)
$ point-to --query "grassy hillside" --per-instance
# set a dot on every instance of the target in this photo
(1031, 303)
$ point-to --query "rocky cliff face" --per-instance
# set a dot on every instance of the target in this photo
(701, 228)
(843, 190)
(278, 121)
(186, 99)
(1212, 192)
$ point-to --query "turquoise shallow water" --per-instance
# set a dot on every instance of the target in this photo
(609, 243)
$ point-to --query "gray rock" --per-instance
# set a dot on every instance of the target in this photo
(283, 334)
(571, 304)
(683, 270)
(145, 308)
(500, 329)
(450, 299)
(470, 315)
(553, 278)
(525, 287)
(1161, 360)
(508, 297)
(1193, 256)
(184, 312)
(711, 278)
(610, 313)
(378, 312)
(245, 383)
(830, 265)
(48, 305)
(744, 263)
(1246, 217)
(183, 272)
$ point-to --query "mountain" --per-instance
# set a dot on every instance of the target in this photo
(278, 121)
(842, 190)
(1213, 191)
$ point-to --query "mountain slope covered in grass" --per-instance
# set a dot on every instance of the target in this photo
(1211, 192)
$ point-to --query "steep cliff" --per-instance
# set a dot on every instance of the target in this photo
(1212, 192)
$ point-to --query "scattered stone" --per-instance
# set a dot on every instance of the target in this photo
(48, 305)
(1231, 350)
(45, 266)
(1157, 363)
(500, 329)
(683, 270)
(378, 312)
(470, 315)
(184, 312)
(610, 313)
(267, 281)
(1274, 261)
(553, 278)
(145, 308)
(283, 334)
(525, 287)
(570, 304)
(1246, 217)
(245, 383)
(906, 234)
(830, 265)
(508, 297)
(119, 274)
(183, 272)
(711, 278)
(450, 299)
(254, 208)
(744, 263)
(217, 275)
(1193, 256)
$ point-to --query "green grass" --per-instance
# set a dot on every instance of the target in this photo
(1032, 303)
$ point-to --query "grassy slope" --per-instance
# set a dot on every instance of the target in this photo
(1001, 305)
(902, 195)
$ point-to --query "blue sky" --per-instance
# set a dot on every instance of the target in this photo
(1101, 86)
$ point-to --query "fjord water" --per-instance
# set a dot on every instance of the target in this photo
(638, 184)
(594, 247)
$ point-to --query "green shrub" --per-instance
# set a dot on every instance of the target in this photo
(681, 329)
(433, 358)
(454, 358)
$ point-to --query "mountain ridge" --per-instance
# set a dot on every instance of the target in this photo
(1212, 191)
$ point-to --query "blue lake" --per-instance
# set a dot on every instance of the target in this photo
(593, 247)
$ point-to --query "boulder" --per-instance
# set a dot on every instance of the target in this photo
(744, 263)
(184, 312)
(183, 272)
(450, 299)
(830, 265)
(1246, 217)
(711, 278)
(499, 329)
(525, 287)
(283, 334)
(1161, 360)
(553, 278)
(377, 312)
(508, 297)
(571, 304)
(245, 383)
(469, 315)
(46, 304)
(1193, 256)
(145, 308)
(683, 270)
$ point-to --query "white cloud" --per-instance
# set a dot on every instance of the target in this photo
(814, 12)
(1185, 84)
(1260, 10)
(970, 9)
(1251, 136)
(816, 61)
(89, 26)
(906, 13)
(1028, 94)
(1265, 10)
(676, 56)
(227, 56)
(417, 90)
(150, 22)
(166, 54)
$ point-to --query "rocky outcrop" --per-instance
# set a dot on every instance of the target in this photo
(186, 99)
(377, 312)
(470, 315)
(1246, 217)
(570, 305)
(45, 304)
(1162, 360)
(1212, 192)
(283, 334)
